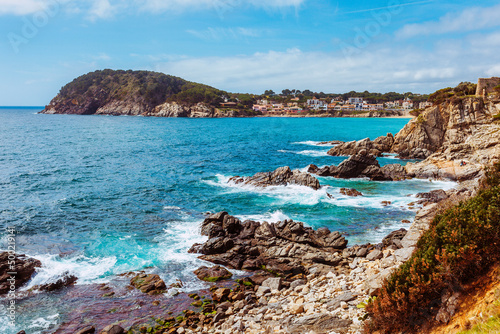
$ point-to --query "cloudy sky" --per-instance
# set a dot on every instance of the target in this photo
(249, 45)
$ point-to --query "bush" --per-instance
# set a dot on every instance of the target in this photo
(461, 243)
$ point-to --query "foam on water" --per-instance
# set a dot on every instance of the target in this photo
(313, 143)
(309, 153)
(270, 217)
(86, 269)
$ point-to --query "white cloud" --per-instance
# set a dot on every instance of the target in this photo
(225, 33)
(470, 19)
(99, 9)
(379, 69)
(21, 7)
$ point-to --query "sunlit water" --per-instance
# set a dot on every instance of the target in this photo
(98, 196)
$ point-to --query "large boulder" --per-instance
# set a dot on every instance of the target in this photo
(212, 274)
(149, 283)
(282, 176)
(23, 266)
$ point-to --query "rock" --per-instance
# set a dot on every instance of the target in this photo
(350, 192)
(403, 254)
(212, 274)
(282, 176)
(283, 248)
(297, 282)
(320, 324)
(449, 305)
(66, 280)
(262, 290)
(374, 255)
(86, 330)
(345, 297)
(113, 329)
(24, 266)
(221, 294)
(394, 238)
(433, 196)
(296, 308)
(149, 283)
(274, 283)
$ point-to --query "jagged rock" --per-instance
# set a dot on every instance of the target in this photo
(394, 238)
(286, 247)
(23, 266)
(433, 196)
(449, 305)
(350, 192)
(282, 176)
(66, 280)
(212, 274)
(149, 283)
(274, 283)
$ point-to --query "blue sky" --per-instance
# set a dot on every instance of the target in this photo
(249, 46)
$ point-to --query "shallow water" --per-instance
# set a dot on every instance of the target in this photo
(98, 196)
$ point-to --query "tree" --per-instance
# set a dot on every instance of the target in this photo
(286, 92)
(269, 92)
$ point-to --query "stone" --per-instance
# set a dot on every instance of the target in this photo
(350, 192)
(86, 330)
(274, 283)
(113, 329)
(282, 176)
(212, 274)
(66, 280)
(221, 294)
(374, 255)
(393, 238)
(296, 308)
(297, 282)
(149, 283)
(403, 254)
(24, 266)
(262, 290)
(320, 323)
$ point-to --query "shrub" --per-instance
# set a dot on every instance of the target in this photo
(460, 244)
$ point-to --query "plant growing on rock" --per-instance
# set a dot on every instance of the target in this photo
(461, 243)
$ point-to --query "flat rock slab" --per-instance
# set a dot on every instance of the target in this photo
(320, 324)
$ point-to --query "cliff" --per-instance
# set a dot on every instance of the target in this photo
(144, 93)
(457, 137)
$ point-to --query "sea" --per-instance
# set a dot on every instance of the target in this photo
(99, 196)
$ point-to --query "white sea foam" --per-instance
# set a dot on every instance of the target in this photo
(312, 143)
(309, 153)
(270, 217)
(171, 207)
(378, 233)
(44, 323)
(86, 269)
(174, 244)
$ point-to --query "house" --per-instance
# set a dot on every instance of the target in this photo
(262, 108)
(229, 105)
(423, 105)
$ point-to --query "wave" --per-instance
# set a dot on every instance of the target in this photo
(171, 207)
(377, 234)
(313, 143)
(86, 269)
(309, 153)
(270, 217)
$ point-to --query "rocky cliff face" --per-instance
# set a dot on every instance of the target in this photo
(456, 138)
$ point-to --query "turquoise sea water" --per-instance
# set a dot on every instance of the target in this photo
(98, 196)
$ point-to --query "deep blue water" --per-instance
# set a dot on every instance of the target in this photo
(99, 196)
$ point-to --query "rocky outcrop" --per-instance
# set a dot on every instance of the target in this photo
(282, 176)
(24, 267)
(212, 274)
(376, 147)
(287, 248)
(362, 165)
(148, 283)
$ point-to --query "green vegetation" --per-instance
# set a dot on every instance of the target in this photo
(461, 244)
(150, 87)
(462, 90)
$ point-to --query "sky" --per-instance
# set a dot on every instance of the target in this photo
(249, 46)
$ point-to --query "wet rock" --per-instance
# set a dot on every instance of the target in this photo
(149, 283)
(212, 274)
(394, 238)
(66, 280)
(350, 192)
(113, 329)
(86, 330)
(433, 196)
(23, 266)
(221, 294)
(282, 176)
